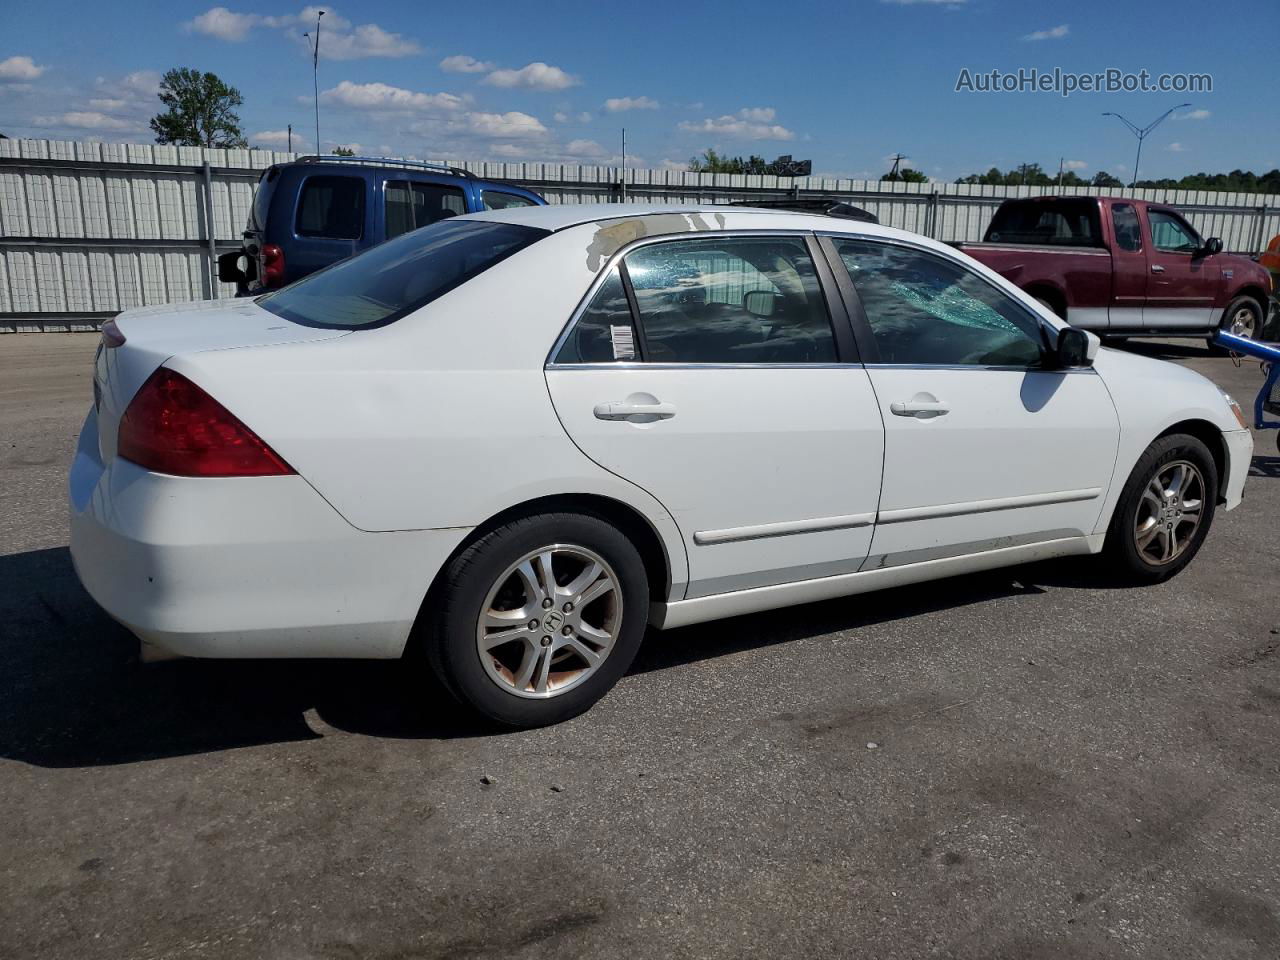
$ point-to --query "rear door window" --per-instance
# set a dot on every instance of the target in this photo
(1128, 232)
(331, 207)
(731, 300)
(498, 200)
(410, 205)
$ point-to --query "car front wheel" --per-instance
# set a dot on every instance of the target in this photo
(1165, 510)
(539, 618)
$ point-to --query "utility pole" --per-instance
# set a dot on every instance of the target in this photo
(897, 159)
(1141, 134)
(624, 165)
(1060, 160)
(291, 138)
(315, 71)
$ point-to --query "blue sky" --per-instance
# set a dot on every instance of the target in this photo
(846, 84)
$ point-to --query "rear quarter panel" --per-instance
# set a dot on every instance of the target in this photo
(442, 419)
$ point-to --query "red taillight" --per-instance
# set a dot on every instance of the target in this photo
(111, 335)
(272, 265)
(173, 426)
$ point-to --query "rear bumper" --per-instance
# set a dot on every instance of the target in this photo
(1239, 445)
(242, 567)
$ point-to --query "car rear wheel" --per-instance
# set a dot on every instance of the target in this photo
(539, 618)
(1165, 510)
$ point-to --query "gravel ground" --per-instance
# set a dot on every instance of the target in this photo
(1021, 764)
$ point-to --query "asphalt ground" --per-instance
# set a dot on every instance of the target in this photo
(1028, 763)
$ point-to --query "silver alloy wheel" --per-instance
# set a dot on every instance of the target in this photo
(1243, 323)
(1170, 512)
(549, 621)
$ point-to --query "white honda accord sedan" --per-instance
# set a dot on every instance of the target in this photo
(513, 440)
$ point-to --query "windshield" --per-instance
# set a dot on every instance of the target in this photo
(395, 278)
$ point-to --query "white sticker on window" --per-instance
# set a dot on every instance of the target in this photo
(624, 342)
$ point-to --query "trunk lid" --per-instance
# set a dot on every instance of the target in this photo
(155, 334)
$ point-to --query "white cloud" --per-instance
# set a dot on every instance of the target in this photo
(560, 117)
(618, 104)
(108, 103)
(1176, 148)
(1053, 33)
(338, 39)
(584, 148)
(19, 68)
(1075, 164)
(511, 125)
(381, 96)
(1194, 115)
(750, 123)
(367, 40)
(464, 64)
(278, 138)
(224, 24)
(535, 76)
(87, 120)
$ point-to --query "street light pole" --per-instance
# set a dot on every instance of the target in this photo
(315, 71)
(1141, 134)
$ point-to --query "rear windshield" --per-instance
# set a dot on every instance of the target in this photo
(1067, 223)
(395, 278)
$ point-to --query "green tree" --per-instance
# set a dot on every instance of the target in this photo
(1104, 179)
(713, 162)
(905, 175)
(201, 111)
(343, 152)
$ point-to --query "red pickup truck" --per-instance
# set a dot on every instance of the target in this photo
(1123, 267)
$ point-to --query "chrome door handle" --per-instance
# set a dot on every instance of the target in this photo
(627, 410)
(1156, 268)
(922, 409)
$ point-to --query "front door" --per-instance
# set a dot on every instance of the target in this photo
(1181, 282)
(732, 403)
(984, 448)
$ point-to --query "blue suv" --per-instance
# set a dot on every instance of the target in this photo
(315, 211)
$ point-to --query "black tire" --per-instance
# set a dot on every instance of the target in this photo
(1052, 307)
(450, 631)
(1236, 307)
(1121, 548)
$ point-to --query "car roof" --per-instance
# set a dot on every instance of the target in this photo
(678, 218)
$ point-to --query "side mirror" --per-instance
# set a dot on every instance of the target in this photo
(230, 269)
(1074, 349)
(759, 303)
(1211, 246)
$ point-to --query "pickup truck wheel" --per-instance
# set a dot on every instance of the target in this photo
(1165, 510)
(1051, 307)
(1243, 317)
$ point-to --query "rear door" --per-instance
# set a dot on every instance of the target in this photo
(1181, 284)
(410, 203)
(331, 221)
(1128, 268)
(735, 400)
(984, 448)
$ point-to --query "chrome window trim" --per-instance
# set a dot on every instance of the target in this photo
(662, 365)
(1008, 368)
(617, 257)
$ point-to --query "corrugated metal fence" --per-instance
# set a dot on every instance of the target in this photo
(89, 229)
